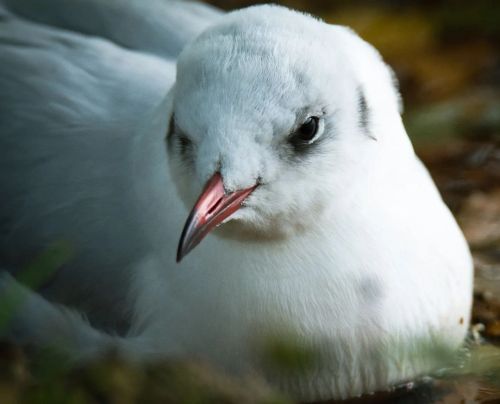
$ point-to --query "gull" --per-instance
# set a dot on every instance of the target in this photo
(224, 180)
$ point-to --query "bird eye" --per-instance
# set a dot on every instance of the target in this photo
(306, 133)
(309, 129)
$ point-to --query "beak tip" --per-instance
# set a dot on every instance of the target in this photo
(212, 207)
(184, 248)
(180, 253)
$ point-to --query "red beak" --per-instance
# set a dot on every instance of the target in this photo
(211, 208)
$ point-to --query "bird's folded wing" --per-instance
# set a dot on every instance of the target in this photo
(160, 27)
(72, 109)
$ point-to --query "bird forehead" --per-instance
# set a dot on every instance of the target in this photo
(236, 62)
(214, 113)
(235, 94)
(247, 52)
(236, 81)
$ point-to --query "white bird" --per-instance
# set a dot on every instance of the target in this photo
(332, 230)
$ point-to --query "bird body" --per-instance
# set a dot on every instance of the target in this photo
(343, 245)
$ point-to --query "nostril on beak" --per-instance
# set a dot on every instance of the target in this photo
(214, 207)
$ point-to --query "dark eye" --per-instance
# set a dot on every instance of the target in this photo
(308, 129)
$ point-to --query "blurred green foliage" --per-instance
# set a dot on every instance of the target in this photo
(34, 276)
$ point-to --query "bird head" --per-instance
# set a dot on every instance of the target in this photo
(274, 115)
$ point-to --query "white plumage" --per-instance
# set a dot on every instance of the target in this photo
(344, 245)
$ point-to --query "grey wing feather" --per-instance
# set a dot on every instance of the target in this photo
(71, 110)
(160, 27)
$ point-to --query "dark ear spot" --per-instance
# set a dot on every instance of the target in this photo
(364, 114)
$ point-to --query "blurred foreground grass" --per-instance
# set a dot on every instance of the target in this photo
(475, 378)
(114, 381)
